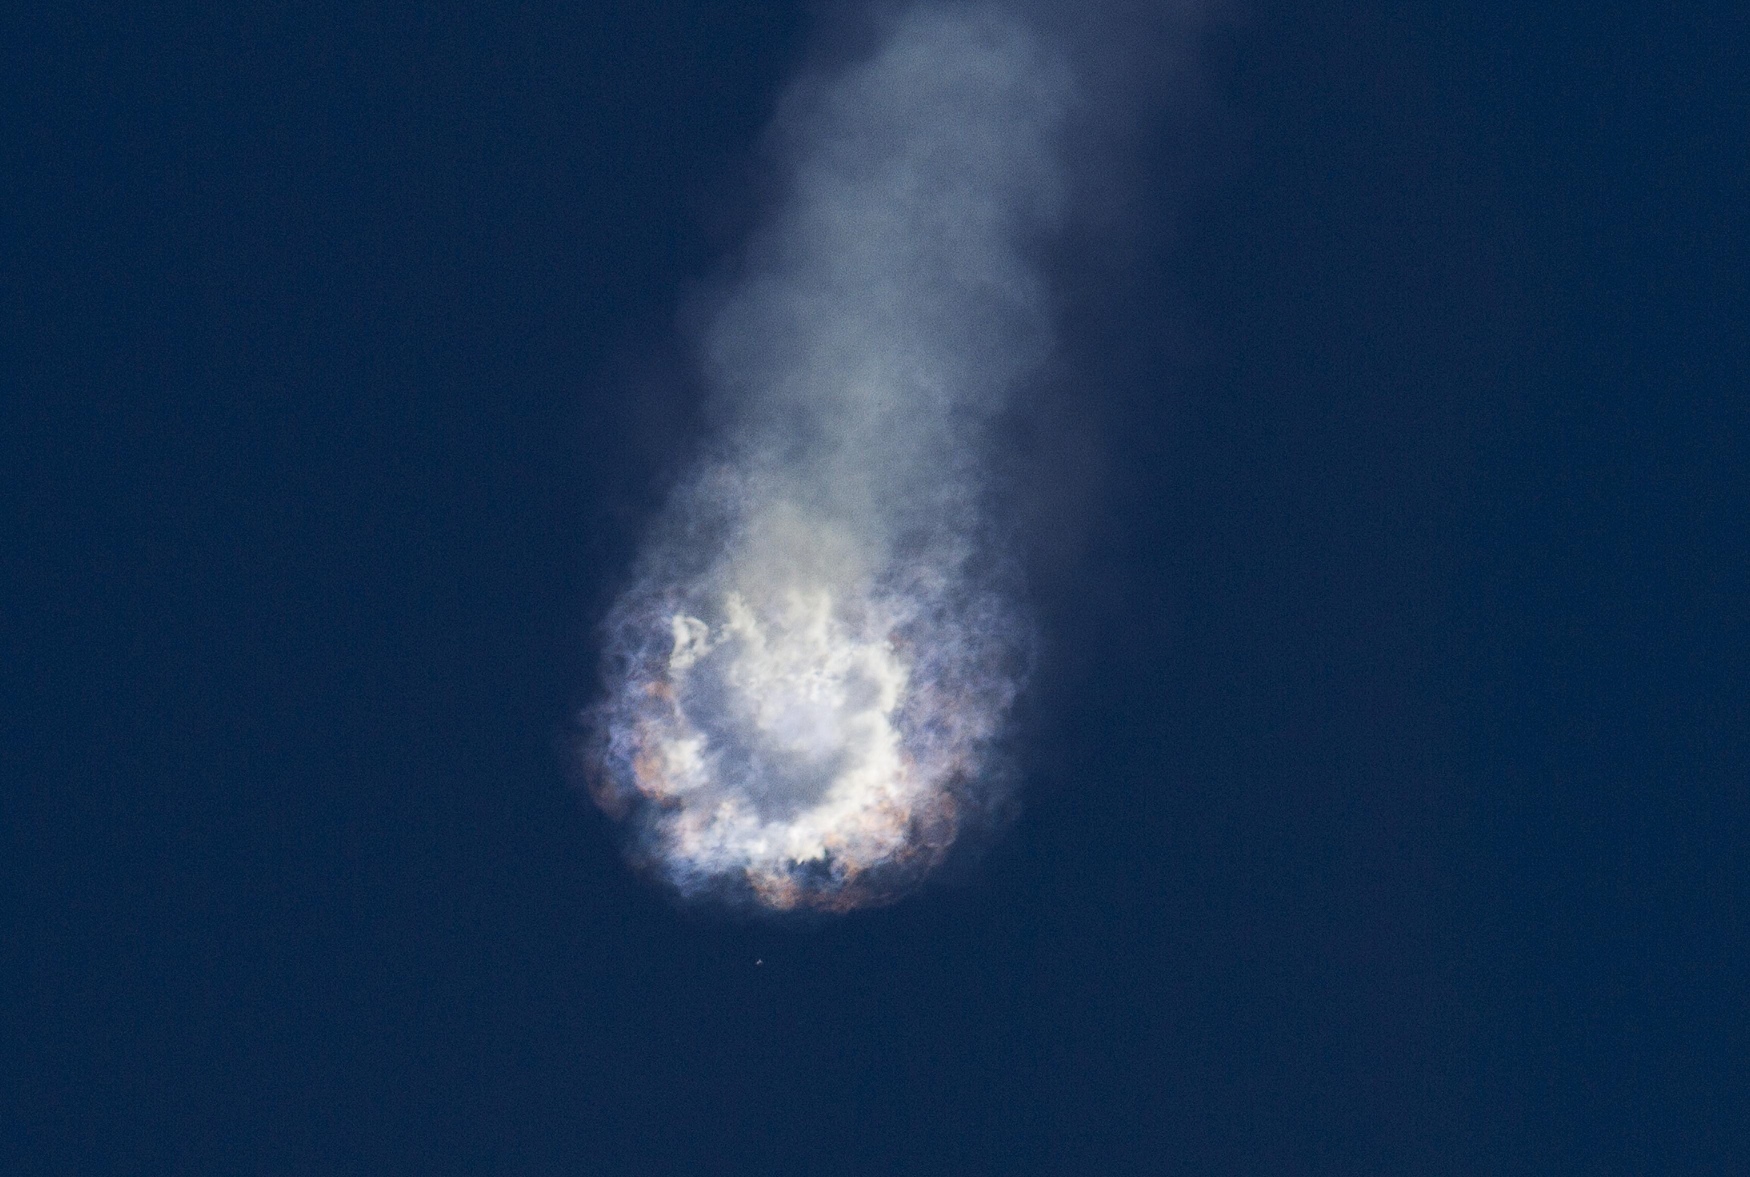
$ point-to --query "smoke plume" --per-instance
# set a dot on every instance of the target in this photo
(808, 678)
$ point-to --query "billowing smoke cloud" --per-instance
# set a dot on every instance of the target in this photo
(808, 678)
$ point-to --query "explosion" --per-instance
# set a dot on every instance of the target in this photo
(808, 678)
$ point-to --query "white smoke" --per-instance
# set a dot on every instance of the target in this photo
(806, 681)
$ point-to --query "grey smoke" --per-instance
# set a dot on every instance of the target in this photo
(808, 676)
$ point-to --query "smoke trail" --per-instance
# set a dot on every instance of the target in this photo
(807, 678)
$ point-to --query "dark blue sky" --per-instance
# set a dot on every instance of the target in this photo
(1386, 804)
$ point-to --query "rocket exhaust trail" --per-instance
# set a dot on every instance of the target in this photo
(807, 678)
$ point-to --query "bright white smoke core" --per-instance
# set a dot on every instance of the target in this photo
(807, 678)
